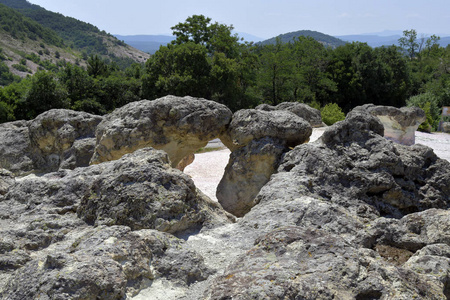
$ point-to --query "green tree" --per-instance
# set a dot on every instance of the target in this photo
(45, 93)
(215, 37)
(409, 42)
(332, 113)
(178, 70)
(96, 66)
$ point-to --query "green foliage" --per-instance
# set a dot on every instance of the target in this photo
(429, 103)
(6, 112)
(21, 27)
(178, 70)
(44, 94)
(6, 77)
(332, 113)
(21, 68)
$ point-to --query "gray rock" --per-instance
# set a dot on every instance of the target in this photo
(248, 170)
(400, 124)
(354, 166)
(304, 111)
(176, 125)
(59, 136)
(15, 148)
(301, 263)
(105, 263)
(257, 140)
(251, 124)
(6, 180)
(446, 127)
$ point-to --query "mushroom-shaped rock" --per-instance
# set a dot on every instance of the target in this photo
(177, 125)
(63, 138)
(399, 124)
(257, 139)
(252, 124)
(312, 115)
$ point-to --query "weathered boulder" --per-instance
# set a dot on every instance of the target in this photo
(15, 148)
(6, 180)
(105, 263)
(446, 127)
(301, 263)
(257, 139)
(354, 166)
(249, 168)
(176, 125)
(399, 124)
(312, 115)
(251, 124)
(56, 136)
(85, 232)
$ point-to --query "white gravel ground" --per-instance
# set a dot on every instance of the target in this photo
(208, 168)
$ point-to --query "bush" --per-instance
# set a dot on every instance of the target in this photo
(332, 113)
(427, 102)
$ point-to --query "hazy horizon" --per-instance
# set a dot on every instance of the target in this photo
(264, 19)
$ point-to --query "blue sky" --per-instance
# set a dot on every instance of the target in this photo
(263, 18)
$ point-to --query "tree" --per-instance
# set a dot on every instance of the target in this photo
(96, 66)
(44, 94)
(409, 42)
(177, 70)
(215, 37)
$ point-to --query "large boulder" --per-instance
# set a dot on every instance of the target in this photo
(62, 138)
(176, 125)
(257, 139)
(400, 124)
(56, 139)
(15, 148)
(89, 232)
(312, 115)
(251, 124)
(353, 165)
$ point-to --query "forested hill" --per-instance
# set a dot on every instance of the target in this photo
(77, 35)
(326, 40)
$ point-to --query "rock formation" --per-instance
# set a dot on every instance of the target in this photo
(399, 124)
(56, 139)
(15, 147)
(350, 216)
(63, 139)
(86, 232)
(257, 140)
(304, 111)
(176, 125)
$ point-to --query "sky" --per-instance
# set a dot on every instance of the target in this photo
(262, 18)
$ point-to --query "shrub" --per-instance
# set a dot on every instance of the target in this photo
(332, 113)
(427, 102)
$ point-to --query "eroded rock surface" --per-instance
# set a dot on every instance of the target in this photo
(62, 138)
(257, 139)
(15, 148)
(46, 222)
(304, 111)
(176, 125)
(400, 124)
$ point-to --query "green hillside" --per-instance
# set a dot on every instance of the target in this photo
(77, 35)
(326, 40)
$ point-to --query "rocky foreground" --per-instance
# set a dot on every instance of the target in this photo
(92, 207)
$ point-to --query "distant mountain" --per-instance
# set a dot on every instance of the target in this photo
(326, 40)
(146, 43)
(372, 40)
(384, 39)
(151, 43)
